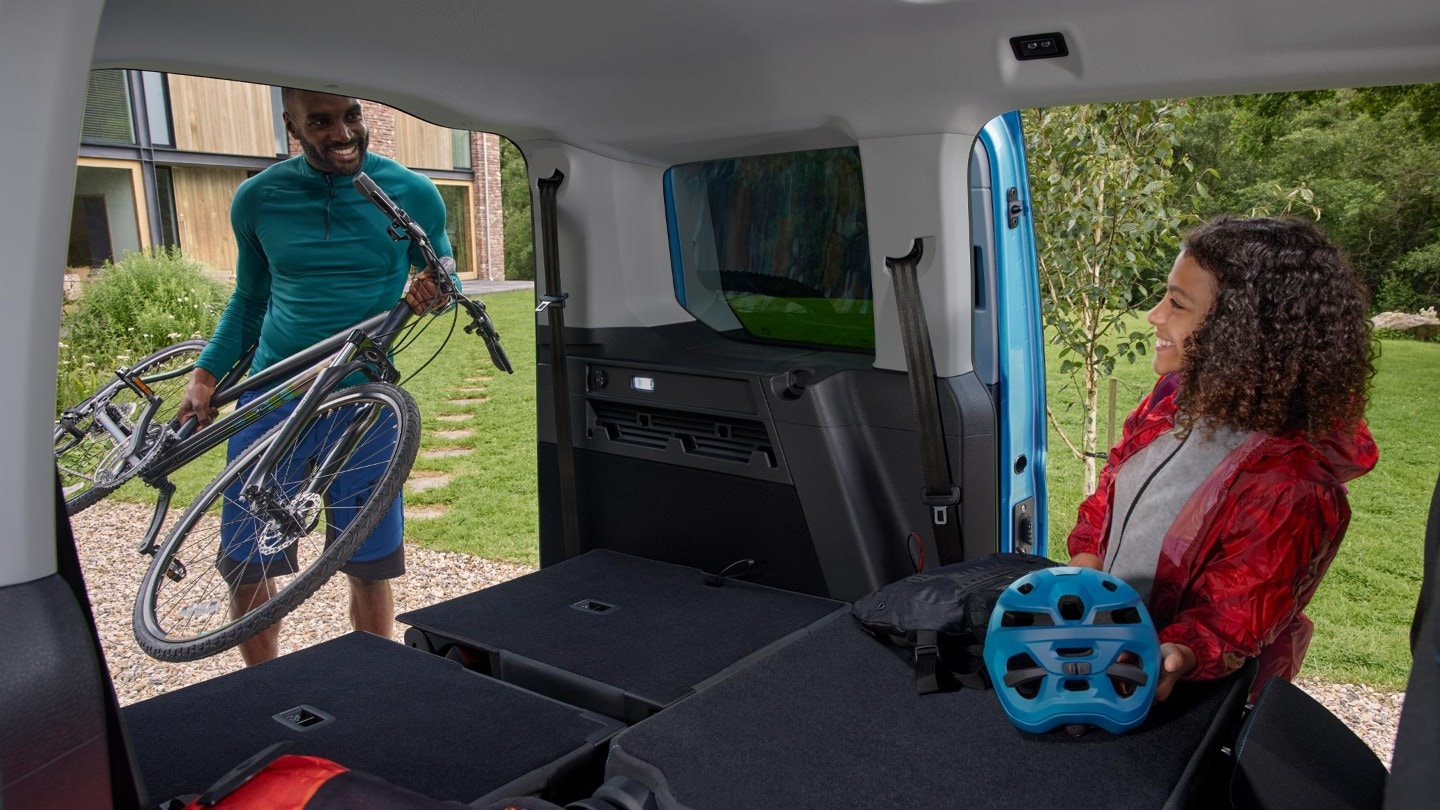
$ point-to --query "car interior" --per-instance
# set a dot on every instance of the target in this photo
(719, 476)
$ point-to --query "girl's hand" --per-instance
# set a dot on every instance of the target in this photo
(1176, 661)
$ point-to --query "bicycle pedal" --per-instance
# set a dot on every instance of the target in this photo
(175, 571)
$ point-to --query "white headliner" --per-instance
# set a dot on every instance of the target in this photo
(669, 81)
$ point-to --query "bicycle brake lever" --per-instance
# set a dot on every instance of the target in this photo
(480, 323)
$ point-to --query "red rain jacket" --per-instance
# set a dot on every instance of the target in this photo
(1248, 549)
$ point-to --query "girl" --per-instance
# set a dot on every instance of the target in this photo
(1225, 500)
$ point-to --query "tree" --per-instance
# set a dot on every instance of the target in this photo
(519, 224)
(1107, 214)
(1368, 159)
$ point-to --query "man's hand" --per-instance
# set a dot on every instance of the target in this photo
(424, 294)
(1176, 661)
(1087, 560)
(196, 401)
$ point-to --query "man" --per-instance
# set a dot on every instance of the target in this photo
(315, 258)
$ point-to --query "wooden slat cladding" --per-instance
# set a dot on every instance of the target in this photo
(421, 145)
(202, 213)
(229, 118)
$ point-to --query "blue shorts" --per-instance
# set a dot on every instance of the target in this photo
(381, 556)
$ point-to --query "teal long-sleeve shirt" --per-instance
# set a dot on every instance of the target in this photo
(315, 257)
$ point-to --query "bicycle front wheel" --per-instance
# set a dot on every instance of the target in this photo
(91, 439)
(297, 529)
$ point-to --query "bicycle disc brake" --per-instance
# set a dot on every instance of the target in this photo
(288, 520)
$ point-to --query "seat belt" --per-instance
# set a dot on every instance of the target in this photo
(939, 493)
(552, 303)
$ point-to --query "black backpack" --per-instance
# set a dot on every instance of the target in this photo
(943, 614)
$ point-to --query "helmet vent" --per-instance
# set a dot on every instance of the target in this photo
(1124, 615)
(1020, 618)
(1109, 585)
(1024, 675)
(1074, 652)
(1076, 684)
(1071, 608)
(1025, 588)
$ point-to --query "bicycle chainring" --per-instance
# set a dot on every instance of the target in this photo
(112, 471)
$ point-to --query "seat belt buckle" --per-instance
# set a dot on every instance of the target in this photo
(548, 301)
(940, 503)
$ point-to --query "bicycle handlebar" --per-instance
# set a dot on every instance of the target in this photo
(403, 227)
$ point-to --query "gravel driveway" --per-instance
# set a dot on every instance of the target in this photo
(107, 535)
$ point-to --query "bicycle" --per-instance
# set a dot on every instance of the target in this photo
(272, 495)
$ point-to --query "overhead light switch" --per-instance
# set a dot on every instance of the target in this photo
(1039, 46)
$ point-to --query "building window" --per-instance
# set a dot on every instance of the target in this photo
(460, 147)
(459, 223)
(107, 108)
(165, 194)
(277, 120)
(157, 108)
(108, 217)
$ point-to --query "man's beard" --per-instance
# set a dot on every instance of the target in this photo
(326, 163)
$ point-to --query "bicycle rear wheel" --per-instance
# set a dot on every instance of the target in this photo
(92, 458)
(183, 610)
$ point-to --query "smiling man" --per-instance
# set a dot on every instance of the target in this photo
(314, 258)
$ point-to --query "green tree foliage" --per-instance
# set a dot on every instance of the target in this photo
(1366, 163)
(1423, 99)
(1108, 209)
(519, 224)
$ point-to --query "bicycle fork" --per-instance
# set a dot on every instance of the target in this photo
(294, 515)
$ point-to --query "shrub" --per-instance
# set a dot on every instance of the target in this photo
(130, 308)
(1412, 282)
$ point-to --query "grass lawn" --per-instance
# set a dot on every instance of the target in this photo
(1363, 608)
(491, 500)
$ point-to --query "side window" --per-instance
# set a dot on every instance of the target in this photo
(774, 247)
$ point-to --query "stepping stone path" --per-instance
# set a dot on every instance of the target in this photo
(422, 480)
(446, 452)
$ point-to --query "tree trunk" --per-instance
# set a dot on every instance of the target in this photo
(1092, 414)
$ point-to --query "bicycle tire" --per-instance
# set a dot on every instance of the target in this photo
(182, 609)
(86, 454)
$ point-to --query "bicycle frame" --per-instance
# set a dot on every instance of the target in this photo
(309, 376)
(283, 384)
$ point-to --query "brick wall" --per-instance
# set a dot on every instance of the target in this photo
(489, 210)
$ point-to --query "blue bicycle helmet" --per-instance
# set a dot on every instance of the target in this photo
(1053, 651)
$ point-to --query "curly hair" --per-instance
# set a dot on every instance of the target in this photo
(1286, 345)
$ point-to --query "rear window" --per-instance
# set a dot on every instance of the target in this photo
(774, 247)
